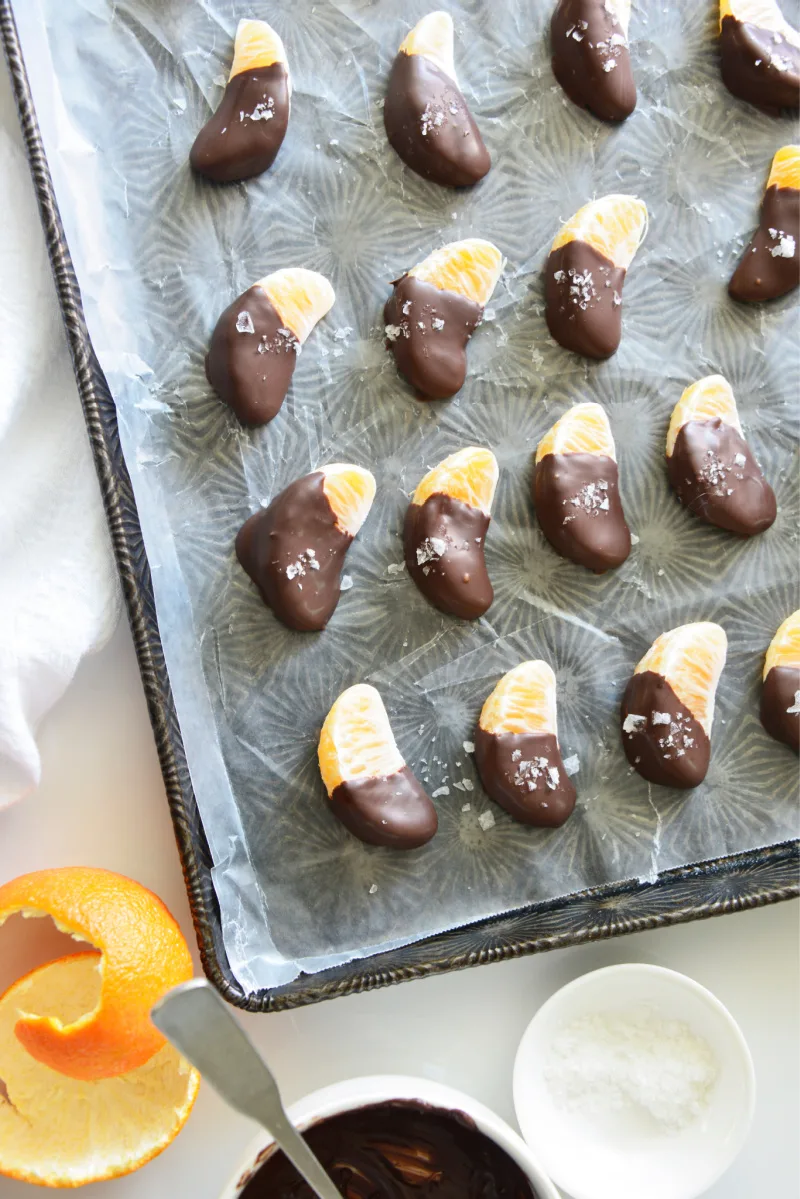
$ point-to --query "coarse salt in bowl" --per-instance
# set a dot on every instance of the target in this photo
(634, 1080)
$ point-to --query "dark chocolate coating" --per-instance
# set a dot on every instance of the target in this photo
(759, 66)
(674, 753)
(430, 126)
(242, 139)
(392, 810)
(780, 692)
(279, 545)
(710, 482)
(454, 580)
(583, 296)
(585, 39)
(251, 371)
(398, 1150)
(762, 275)
(579, 509)
(515, 770)
(430, 354)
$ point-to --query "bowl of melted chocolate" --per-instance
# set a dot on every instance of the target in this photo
(398, 1138)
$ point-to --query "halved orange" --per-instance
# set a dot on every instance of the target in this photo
(63, 1132)
(357, 740)
(785, 170)
(764, 14)
(256, 45)
(144, 954)
(706, 399)
(614, 225)
(524, 701)
(433, 37)
(300, 297)
(583, 429)
(784, 648)
(469, 475)
(691, 659)
(470, 268)
(350, 491)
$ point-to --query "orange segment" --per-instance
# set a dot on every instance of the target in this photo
(350, 491)
(357, 740)
(691, 659)
(706, 399)
(144, 955)
(524, 701)
(300, 297)
(784, 648)
(584, 429)
(62, 1132)
(785, 170)
(433, 37)
(614, 225)
(470, 268)
(469, 475)
(256, 45)
(765, 14)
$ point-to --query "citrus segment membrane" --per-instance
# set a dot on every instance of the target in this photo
(300, 297)
(470, 475)
(350, 491)
(784, 649)
(614, 226)
(357, 740)
(256, 45)
(583, 429)
(433, 37)
(524, 701)
(691, 659)
(707, 399)
(470, 268)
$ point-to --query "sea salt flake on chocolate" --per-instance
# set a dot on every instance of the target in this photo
(660, 718)
(552, 777)
(437, 323)
(632, 723)
(244, 323)
(406, 308)
(739, 460)
(609, 65)
(393, 332)
(795, 708)
(517, 754)
(785, 247)
(486, 820)
(430, 549)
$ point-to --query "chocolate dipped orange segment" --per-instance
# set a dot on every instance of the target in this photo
(585, 272)
(711, 466)
(246, 132)
(591, 60)
(780, 694)
(576, 490)
(760, 54)
(668, 706)
(445, 531)
(370, 788)
(433, 311)
(770, 266)
(428, 122)
(255, 343)
(294, 549)
(517, 751)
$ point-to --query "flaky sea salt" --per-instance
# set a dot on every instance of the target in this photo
(244, 323)
(469, 747)
(633, 723)
(486, 820)
(572, 765)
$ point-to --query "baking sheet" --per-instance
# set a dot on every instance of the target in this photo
(121, 90)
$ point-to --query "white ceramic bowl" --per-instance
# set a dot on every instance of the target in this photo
(604, 1157)
(359, 1092)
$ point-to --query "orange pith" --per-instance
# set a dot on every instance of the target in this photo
(691, 659)
(301, 298)
(256, 45)
(524, 701)
(614, 225)
(144, 954)
(784, 648)
(785, 171)
(433, 37)
(584, 429)
(470, 268)
(764, 14)
(357, 740)
(470, 475)
(350, 491)
(706, 399)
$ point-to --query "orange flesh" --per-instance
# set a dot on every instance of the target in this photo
(785, 170)
(257, 45)
(691, 659)
(706, 399)
(613, 225)
(784, 649)
(469, 268)
(350, 491)
(469, 475)
(584, 429)
(524, 701)
(357, 740)
(300, 297)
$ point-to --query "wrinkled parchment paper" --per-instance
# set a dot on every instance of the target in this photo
(121, 88)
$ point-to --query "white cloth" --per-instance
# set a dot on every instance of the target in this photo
(59, 595)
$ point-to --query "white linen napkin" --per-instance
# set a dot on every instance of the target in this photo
(59, 594)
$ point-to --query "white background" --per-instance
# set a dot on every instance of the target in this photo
(102, 803)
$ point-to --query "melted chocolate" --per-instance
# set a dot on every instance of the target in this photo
(770, 266)
(430, 126)
(427, 331)
(524, 773)
(399, 1150)
(443, 541)
(591, 59)
(666, 744)
(578, 506)
(780, 693)
(759, 66)
(251, 359)
(717, 478)
(583, 294)
(246, 132)
(392, 810)
(294, 553)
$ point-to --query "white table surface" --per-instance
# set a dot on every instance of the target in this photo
(101, 802)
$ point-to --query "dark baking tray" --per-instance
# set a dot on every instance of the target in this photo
(711, 888)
